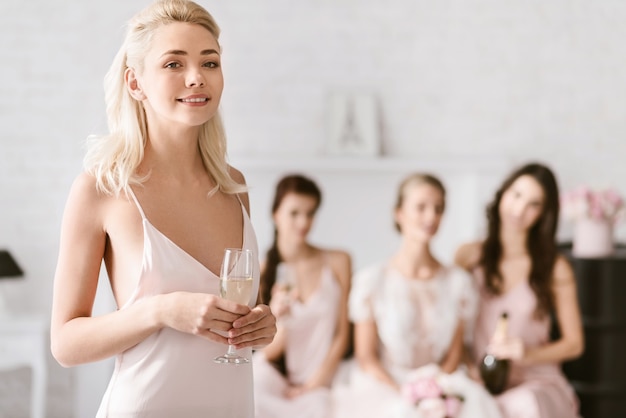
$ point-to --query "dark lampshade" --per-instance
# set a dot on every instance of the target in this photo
(8, 266)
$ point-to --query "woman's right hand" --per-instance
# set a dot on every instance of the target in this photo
(282, 297)
(201, 314)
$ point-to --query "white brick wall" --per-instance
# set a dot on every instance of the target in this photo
(469, 78)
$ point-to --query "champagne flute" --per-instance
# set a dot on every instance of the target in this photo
(286, 282)
(236, 285)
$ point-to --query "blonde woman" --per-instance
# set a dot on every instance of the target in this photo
(411, 317)
(159, 204)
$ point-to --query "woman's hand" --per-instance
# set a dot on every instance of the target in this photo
(282, 298)
(201, 314)
(294, 391)
(509, 348)
(255, 329)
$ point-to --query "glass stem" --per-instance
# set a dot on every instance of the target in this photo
(231, 350)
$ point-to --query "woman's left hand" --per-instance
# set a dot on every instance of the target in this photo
(256, 329)
(294, 391)
(511, 348)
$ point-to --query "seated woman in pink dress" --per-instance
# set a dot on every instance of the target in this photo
(519, 271)
(311, 307)
(411, 317)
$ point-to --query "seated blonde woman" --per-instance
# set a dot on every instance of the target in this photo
(411, 314)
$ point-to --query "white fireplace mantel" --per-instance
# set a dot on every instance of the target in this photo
(358, 198)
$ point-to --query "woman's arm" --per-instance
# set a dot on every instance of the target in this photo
(366, 352)
(571, 343)
(76, 336)
(468, 255)
(455, 353)
(342, 268)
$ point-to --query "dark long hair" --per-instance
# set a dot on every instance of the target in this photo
(294, 183)
(540, 243)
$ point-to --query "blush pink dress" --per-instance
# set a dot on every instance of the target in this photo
(539, 391)
(170, 373)
(415, 322)
(310, 329)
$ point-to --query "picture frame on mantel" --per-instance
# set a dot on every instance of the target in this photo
(354, 124)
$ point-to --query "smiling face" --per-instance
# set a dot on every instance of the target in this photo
(521, 204)
(181, 77)
(295, 215)
(420, 212)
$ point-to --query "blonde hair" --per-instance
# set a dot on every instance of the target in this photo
(416, 179)
(113, 159)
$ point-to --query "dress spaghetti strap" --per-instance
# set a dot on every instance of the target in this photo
(139, 208)
(243, 207)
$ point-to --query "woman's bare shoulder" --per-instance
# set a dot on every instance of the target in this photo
(84, 194)
(86, 213)
(468, 255)
(340, 262)
(84, 183)
(337, 256)
(563, 272)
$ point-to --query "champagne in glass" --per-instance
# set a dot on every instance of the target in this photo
(236, 285)
(285, 277)
(237, 289)
(284, 290)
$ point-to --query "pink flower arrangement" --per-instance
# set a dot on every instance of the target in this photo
(430, 398)
(599, 205)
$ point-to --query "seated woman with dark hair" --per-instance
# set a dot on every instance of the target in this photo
(519, 271)
(307, 289)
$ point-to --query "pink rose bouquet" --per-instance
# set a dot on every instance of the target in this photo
(599, 205)
(430, 398)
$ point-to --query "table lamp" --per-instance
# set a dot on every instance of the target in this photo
(8, 269)
(8, 266)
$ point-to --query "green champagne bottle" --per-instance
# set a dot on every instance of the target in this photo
(493, 370)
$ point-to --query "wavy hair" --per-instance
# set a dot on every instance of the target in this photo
(540, 243)
(294, 183)
(113, 159)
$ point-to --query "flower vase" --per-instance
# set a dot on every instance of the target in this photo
(592, 238)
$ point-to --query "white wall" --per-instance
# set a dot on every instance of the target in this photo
(467, 80)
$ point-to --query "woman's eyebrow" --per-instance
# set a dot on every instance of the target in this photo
(182, 52)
